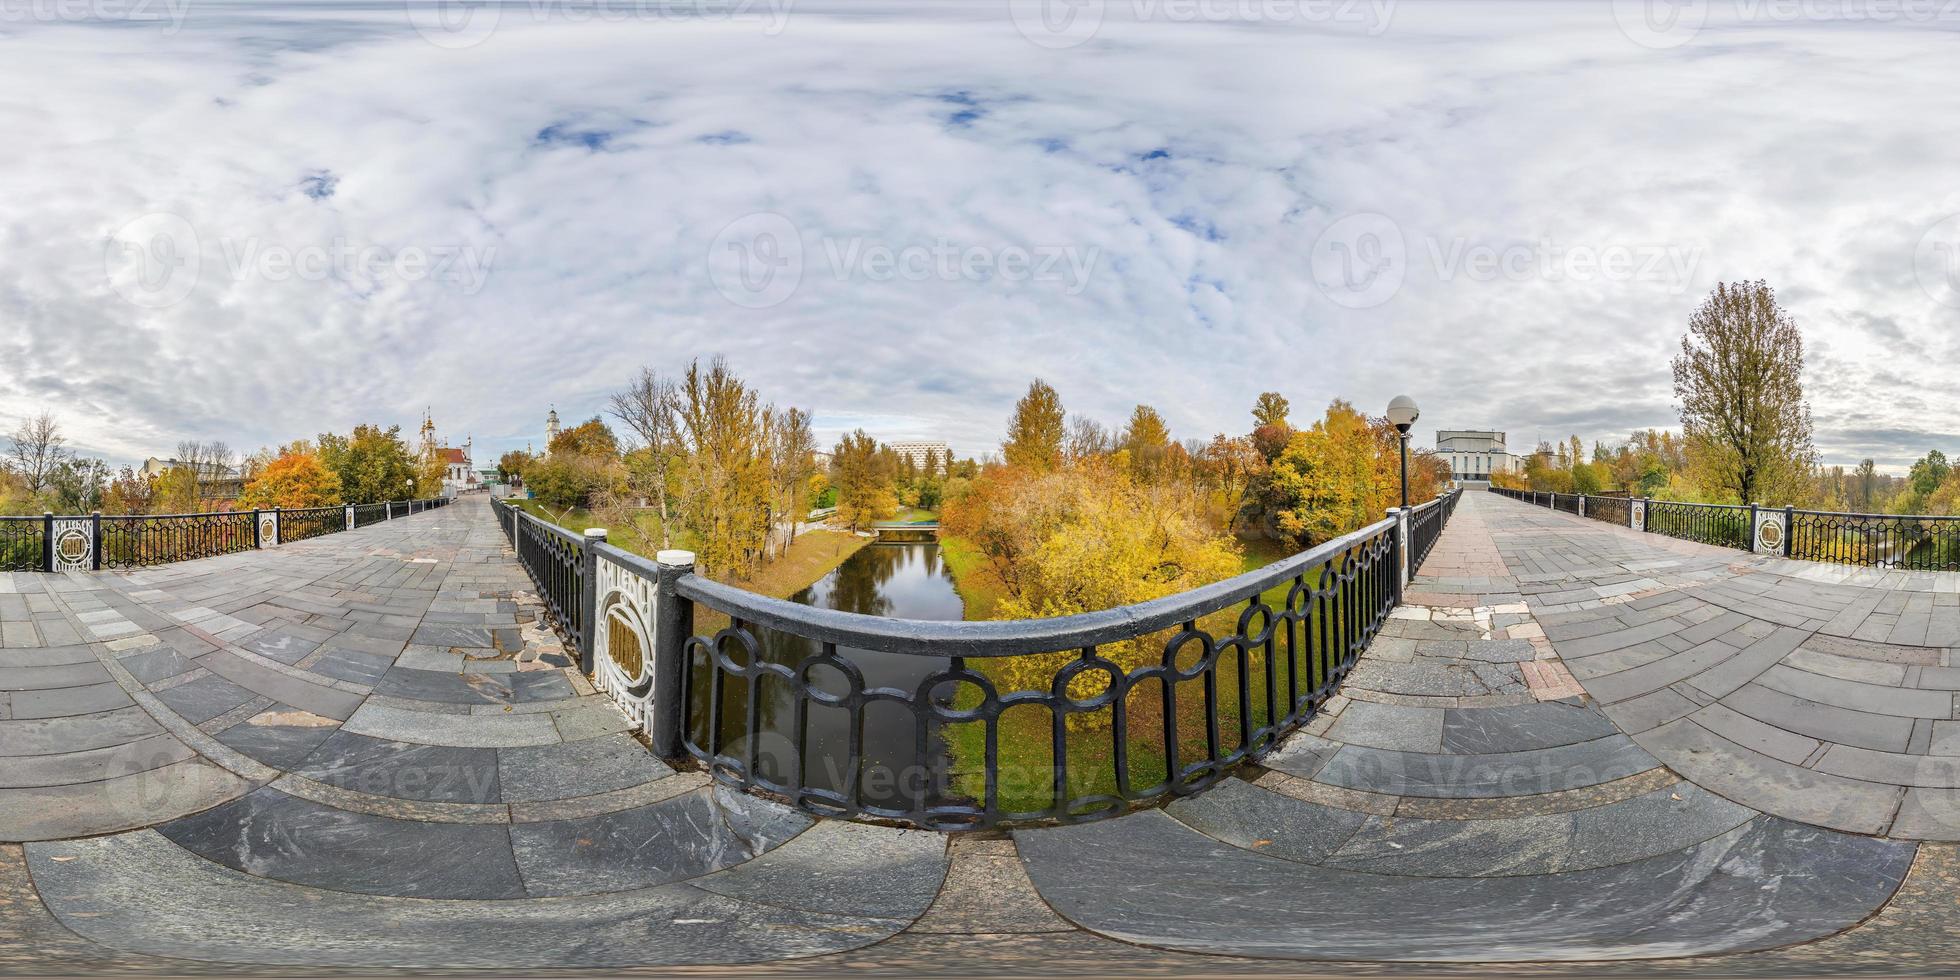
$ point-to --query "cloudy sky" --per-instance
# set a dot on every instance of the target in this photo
(255, 222)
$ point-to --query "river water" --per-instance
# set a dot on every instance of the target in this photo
(899, 581)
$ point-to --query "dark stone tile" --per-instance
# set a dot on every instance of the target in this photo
(1514, 728)
(206, 698)
(157, 664)
(404, 770)
(279, 737)
(271, 835)
(687, 836)
(1522, 773)
(429, 685)
(349, 665)
(1256, 819)
(1766, 884)
(65, 701)
(573, 769)
(281, 645)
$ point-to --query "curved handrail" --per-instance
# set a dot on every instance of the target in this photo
(1004, 638)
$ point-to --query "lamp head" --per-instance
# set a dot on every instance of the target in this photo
(1403, 413)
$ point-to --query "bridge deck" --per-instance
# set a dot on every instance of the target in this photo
(1575, 743)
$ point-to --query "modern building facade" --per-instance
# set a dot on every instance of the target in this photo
(1474, 454)
(916, 450)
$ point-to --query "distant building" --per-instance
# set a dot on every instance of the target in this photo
(459, 469)
(550, 429)
(917, 450)
(1474, 454)
(215, 481)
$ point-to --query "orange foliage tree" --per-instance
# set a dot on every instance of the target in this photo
(295, 480)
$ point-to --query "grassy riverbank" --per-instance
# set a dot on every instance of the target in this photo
(1026, 735)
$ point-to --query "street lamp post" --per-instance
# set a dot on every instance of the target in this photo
(1403, 413)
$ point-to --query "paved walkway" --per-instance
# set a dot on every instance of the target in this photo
(1574, 745)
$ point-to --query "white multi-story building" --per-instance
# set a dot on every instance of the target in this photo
(916, 450)
(1474, 454)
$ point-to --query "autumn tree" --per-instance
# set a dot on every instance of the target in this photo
(373, 464)
(1147, 440)
(649, 408)
(790, 446)
(1271, 410)
(129, 493)
(1035, 432)
(37, 448)
(1739, 378)
(725, 483)
(1339, 476)
(511, 466)
(293, 480)
(864, 481)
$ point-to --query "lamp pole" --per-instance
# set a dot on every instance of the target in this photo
(1403, 413)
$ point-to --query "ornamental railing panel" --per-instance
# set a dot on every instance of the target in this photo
(1610, 510)
(555, 559)
(1876, 540)
(1070, 719)
(23, 544)
(141, 542)
(1726, 525)
(623, 633)
(312, 522)
(1426, 526)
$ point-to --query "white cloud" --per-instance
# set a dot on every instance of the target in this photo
(1176, 177)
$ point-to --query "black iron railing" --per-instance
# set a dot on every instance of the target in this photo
(141, 542)
(555, 559)
(1611, 510)
(121, 541)
(1133, 705)
(1426, 523)
(1908, 542)
(366, 514)
(1727, 525)
(23, 544)
(312, 522)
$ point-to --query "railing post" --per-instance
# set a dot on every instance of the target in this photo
(673, 626)
(391, 508)
(1582, 505)
(588, 596)
(95, 540)
(350, 517)
(47, 541)
(1789, 529)
(1400, 515)
(258, 540)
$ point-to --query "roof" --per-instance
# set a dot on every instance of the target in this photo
(452, 456)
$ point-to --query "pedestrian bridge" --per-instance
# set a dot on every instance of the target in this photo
(1571, 742)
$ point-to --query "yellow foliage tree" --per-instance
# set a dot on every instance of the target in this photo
(294, 480)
